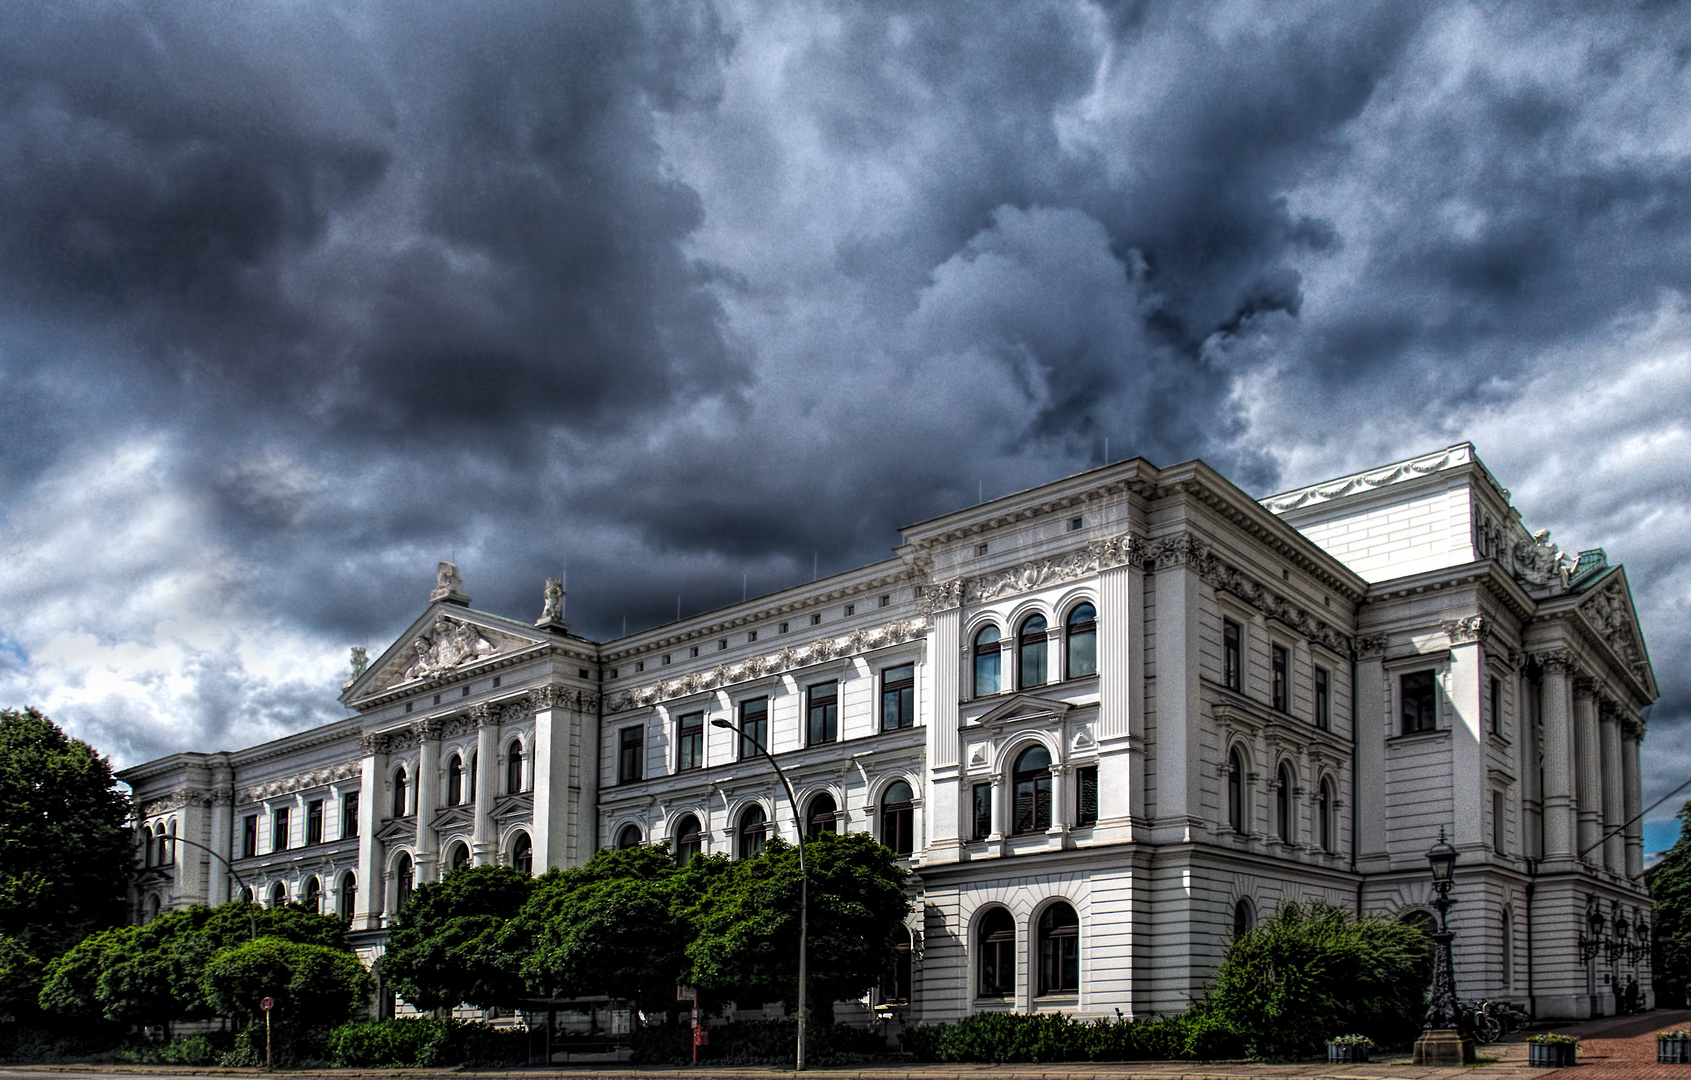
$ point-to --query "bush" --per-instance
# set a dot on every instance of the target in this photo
(188, 1050)
(758, 1042)
(425, 1042)
(998, 1038)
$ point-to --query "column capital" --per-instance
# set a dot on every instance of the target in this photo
(1554, 661)
(429, 727)
(1586, 687)
(482, 715)
(1371, 647)
(371, 745)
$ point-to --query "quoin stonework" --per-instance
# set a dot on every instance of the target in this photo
(1108, 721)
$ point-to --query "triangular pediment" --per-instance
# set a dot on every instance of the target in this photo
(1608, 609)
(1025, 707)
(444, 641)
(397, 830)
(453, 817)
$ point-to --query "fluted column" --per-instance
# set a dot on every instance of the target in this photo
(1632, 799)
(1614, 851)
(486, 836)
(428, 799)
(1558, 757)
(1589, 761)
(371, 885)
(222, 835)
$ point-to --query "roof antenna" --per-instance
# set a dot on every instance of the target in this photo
(677, 607)
(980, 492)
(742, 586)
(813, 558)
(625, 625)
(1106, 449)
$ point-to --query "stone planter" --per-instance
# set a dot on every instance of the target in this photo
(1551, 1055)
(1346, 1054)
(1673, 1051)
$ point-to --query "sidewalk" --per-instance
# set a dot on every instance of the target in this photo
(1613, 1048)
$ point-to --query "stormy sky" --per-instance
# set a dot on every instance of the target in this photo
(297, 299)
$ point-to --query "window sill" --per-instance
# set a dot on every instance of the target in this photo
(1061, 999)
(1430, 735)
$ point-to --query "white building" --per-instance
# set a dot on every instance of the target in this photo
(1109, 720)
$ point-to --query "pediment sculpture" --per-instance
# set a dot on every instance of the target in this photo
(449, 644)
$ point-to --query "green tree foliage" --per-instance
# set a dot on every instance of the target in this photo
(449, 941)
(1314, 971)
(746, 921)
(20, 981)
(152, 974)
(1669, 882)
(313, 985)
(65, 849)
(614, 926)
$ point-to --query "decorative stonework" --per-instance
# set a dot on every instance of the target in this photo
(1539, 562)
(450, 643)
(1368, 481)
(1467, 628)
(305, 781)
(723, 675)
(1192, 552)
(1609, 611)
(448, 586)
(940, 596)
(176, 800)
(1096, 556)
(1556, 661)
(552, 606)
(1371, 646)
(429, 727)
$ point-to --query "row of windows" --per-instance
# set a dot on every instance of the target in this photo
(1285, 819)
(822, 724)
(158, 845)
(1032, 649)
(281, 835)
(1280, 665)
(1058, 956)
(820, 815)
(311, 895)
(461, 780)
(1031, 797)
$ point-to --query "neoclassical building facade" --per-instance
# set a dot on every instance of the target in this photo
(1108, 721)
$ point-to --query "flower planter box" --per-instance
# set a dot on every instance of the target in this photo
(1673, 1051)
(1551, 1055)
(1346, 1054)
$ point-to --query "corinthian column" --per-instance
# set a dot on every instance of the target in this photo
(1558, 757)
(1588, 756)
(428, 798)
(372, 889)
(1632, 799)
(1614, 855)
(485, 837)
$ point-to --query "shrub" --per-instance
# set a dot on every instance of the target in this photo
(1005, 1037)
(188, 1050)
(425, 1042)
(758, 1042)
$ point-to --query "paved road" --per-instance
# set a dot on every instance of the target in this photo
(1611, 1049)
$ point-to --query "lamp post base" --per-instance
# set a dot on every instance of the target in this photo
(1444, 1047)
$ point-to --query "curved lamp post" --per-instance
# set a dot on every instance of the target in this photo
(804, 879)
(1443, 1043)
(252, 917)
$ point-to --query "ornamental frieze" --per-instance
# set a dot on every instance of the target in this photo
(1096, 556)
(1467, 628)
(305, 781)
(176, 800)
(1265, 600)
(788, 659)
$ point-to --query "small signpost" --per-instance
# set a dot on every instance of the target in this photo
(266, 1003)
(701, 1036)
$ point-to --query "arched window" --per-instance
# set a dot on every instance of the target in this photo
(753, 827)
(312, 895)
(470, 777)
(629, 837)
(1283, 804)
(147, 852)
(167, 846)
(820, 816)
(1080, 642)
(895, 984)
(1244, 918)
(246, 895)
(997, 936)
(1032, 668)
(1031, 783)
(455, 781)
(1059, 950)
(689, 838)
(514, 767)
(404, 880)
(401, 794)
(522, 853)
(1235, 791)
(1324, 807)
(348, 895)
(458, 857)
(988, 661)
(278, 894)
(897, 828)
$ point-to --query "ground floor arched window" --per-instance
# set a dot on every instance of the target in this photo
(522, 853)
(348, 895)
(689, 839)
(1059, 950)
(997, 947)
(895, 984)
(404, 880)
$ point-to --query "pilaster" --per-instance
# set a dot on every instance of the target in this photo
(1179, 703)
(368, 911)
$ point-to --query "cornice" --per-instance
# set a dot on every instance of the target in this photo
(1381, 477)
(1135, 476)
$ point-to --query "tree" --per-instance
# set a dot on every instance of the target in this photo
(613, 926)
(1314, 971)
(449, 945)
(20, 981)
(312, 985)
(65, 849)
(746, 921)
(1669, 882)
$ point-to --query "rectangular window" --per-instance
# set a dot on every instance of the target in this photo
(690, 742)
(1232, 656)
(851, 609)
(1086, 795)
(1418, 701)
(898, 697)
(1496, 705)
(279, 830)
(631, 753)
(249, 836)
(982, 811)
(1497, 822)
(823, 714)
(314, 821)
(1282, 670)
(349, 814)
(1323, 699)
(754, 726)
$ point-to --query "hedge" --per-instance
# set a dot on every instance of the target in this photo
(1051, 1037)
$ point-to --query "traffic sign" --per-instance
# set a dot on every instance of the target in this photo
(266, 1004)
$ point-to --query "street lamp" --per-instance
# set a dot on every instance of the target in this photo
(1621, 942)
(1591, 944)
(1443, 1043)
(1641, 948)
(804, 879)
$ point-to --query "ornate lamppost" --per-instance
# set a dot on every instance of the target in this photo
(804, 880)
(1443, 1042)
